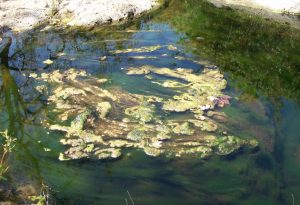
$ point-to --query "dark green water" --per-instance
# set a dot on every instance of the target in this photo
(261, 64)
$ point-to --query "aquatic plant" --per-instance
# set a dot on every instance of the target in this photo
(116, 119)
(38, 200)
(7, 146)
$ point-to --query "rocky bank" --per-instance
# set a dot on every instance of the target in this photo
(21, 15)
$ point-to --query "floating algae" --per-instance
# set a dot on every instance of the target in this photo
(145, 49)
(107, 121)
(183, 128)
(144, 112)
(201, 91)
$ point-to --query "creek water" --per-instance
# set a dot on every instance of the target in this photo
(261, 107)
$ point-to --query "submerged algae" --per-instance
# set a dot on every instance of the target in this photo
(183, 128)
(202, 90)
(138, 50)
(144, 112)
(229, 144)
(107, 121)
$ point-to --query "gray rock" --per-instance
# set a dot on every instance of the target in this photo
(4, 46)
(21, 15)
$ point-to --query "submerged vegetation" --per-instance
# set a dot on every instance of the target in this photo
(8, 143)
(260, 55)
(103, 122)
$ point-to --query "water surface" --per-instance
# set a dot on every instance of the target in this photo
(262, 70)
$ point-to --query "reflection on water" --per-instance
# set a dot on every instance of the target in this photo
(260, 56)
(267, 176)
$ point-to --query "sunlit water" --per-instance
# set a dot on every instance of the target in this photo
(269, 175)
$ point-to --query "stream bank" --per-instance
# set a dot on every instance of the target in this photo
(22, 15)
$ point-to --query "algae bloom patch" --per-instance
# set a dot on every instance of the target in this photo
(99, 123)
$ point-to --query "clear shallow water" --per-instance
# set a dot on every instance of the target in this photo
(267, 176)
